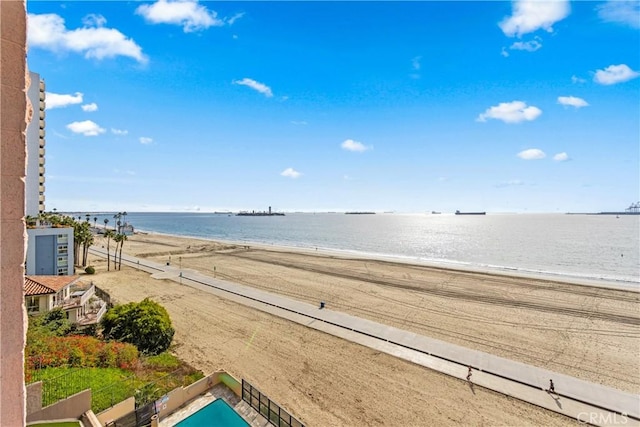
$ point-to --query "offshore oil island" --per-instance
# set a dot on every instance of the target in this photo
(260, 213)
(633, 209)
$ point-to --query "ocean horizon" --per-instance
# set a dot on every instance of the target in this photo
(563, 247)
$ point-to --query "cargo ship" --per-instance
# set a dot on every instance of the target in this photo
(470, 213)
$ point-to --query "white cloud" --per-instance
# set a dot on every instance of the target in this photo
(57, 100)
(504, 52)
(127, 172)
(532, 154)
(145, 140)
(510, 112)
(351, 145)
(531, 15)
(290, 173)
(47, 31)
(576, 79)
(561, 157)
(415, 62)
(86, 128)
(94, 20)
(119, 131)
(621, 11)
(260, 87)
(530, 46)
(234, 18)
(572, 101)
(510, 183)
(614, 74)
(189, 14)
(90, 107)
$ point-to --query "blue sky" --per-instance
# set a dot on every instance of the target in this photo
(524, 106)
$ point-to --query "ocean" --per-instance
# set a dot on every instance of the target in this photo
(587, 247)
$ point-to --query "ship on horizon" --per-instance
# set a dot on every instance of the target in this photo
(470, 213)
(260, 213)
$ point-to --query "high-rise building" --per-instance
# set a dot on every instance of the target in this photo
(34, 182)
(49, 249)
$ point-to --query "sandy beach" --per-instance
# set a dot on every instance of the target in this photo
(588, 332)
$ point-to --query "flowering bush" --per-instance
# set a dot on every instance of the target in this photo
(79, 351)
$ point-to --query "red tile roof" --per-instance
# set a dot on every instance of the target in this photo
(42, 285)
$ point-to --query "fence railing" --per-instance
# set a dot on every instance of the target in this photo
(62, 386)
(267, 408)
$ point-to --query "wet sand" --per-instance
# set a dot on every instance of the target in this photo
(587, 332)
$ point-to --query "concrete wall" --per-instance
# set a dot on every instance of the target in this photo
(71, 407)
(117, 411)
(34, 397)
(13, 107)
(181, 395)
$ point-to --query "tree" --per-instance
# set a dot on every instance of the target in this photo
(121, 239)
(145, 324)
(117, 218)
(95, 219)
(106, 221)
(108, 234)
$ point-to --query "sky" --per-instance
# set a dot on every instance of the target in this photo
(523, 106)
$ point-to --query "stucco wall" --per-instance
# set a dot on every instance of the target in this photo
(12, 232)
(71, 407)
(121, 409)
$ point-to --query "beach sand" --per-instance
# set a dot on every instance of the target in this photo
(587, 332)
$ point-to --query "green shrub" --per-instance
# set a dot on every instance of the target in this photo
(90, 270)
(145, 324)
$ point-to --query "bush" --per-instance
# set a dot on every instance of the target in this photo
(90, 270)
(145, 324)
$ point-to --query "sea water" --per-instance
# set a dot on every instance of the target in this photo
(595, 247)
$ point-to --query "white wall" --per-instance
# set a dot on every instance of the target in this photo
(32, 183)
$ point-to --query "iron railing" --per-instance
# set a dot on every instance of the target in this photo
(267, 408)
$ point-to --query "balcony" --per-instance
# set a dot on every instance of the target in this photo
(42, 114)
(42, 142)
(41, 198)
(42, 123)
(41, 151)
(41, 170)
(42, 133)
(88, 307)
(42, 105)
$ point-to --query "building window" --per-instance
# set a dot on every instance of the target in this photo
(62, 249)
(62, 271)
(33, 304)
(62, 261)
(63, 238)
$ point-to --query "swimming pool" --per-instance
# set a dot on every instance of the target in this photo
(216, 414)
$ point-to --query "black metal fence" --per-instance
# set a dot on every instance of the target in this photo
(141, 417)
(62, 386)
(268, 409)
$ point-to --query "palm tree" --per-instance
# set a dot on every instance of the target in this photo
(121, 239)
(108, 234)
(117, 217)
(95, 219)
(106, 221)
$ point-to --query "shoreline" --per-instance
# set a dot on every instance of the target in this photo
(448, 265)
(588, 333)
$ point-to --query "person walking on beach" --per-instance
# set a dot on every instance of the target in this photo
(469, 374)
(552, 389)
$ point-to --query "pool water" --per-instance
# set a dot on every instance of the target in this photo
(216, 414)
